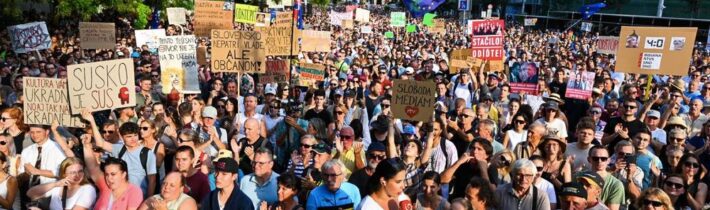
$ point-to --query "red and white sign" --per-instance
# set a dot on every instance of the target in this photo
(487, 41)
(607, 44)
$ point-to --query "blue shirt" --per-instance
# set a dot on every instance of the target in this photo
(257, 193)
(644, 162)
(347, 197)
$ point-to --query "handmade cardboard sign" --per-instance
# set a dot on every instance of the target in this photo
(101, 85)
(178, 64)
(283, 19)
(29, 37)
(238, 51)
(212, 15)
(336, 18)
(46, 101)
(310, 74)
(365, 29)
(462, 55)
(362, 15)
(97, 35)
(398, 19)
(439, 27)
(607, 44)
(655, 50)
(244, 13)
(348, 24)
(530, 21)
(263, 19)
(413, 100)
(278, 40)
(315, 41)
(202, 55)
(523, 78)
(149, 37)
(580, 85)
(276, 71)
(176, 15)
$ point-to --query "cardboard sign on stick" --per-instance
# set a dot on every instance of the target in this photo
(46, 101)
(523, 78)
(315, 41)
(212, 15)
(580, 85)
(149, 37)
(362, 15)
(278, 40)
(238, 51)
(655, 50)
(178, 64)
(607, 44)
(176, 15)
(97, 35)
(413, 100)
(244, 13)
(29, 37)
(283, 19)
(276, 71)
(398, 19)
(310, 74)
(102, 85)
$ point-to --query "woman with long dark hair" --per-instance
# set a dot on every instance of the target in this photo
(429, 197)
(386, 187)
(690, 168)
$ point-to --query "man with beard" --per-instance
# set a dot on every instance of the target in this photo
(624, 126)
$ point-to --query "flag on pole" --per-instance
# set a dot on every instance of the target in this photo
(420, 7)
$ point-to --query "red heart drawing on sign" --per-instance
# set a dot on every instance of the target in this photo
(411, 111)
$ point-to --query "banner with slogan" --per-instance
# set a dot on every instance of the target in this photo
(398, 19)
(276, 71)
(607, 44)
(101, 85)
(315, 41)
(310, 74)
(178, 64)
(149, 37)
(523, 78)
(262, 19)
(530, 21)
(238, 51)
(439, 27)
(362, 15)
(580, 85)
(176, 15)
(283, 19)
(459, 54)
(365, 29)
(655, 50)
(29, 37)
(97, 35)
(413, 100)
(46, 101)
(279, 40)
(487, 41)
(336, 18)
(212, 15)
(244, 13)
(348, 24)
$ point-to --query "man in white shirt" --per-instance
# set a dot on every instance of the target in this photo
(39, 161)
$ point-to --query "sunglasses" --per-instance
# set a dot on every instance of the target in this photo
(347, 137)
(5, 119)
(674, 185)
(108, 132)
(520, 121)
(3, 142)
(339, 113)
(675, 95)
(652, 202)
(307, 146)
(692, 164)
(185, 140)
(145, 128)
(378, 157)
(599, 159)
(385, 105)
(596, 112)
(540, 168)
(629, 107)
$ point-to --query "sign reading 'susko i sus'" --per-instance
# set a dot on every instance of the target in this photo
(101, 85)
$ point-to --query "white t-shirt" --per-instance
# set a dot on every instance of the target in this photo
(84, 197)
(368, 203)
(514, 138)
(546, 186)
(556, 126)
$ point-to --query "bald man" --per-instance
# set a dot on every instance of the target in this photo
(171, 195)
(247, 145)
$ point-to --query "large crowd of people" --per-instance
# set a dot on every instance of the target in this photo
(640, 142)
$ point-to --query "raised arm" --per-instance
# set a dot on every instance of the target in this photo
(61, 140)
(100, 142)
(92, 164)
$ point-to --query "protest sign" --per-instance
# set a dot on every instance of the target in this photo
(310, 74)
(176, 15)
(411, 28)
(439, 27)
(97, 35)
(607, 44)
(46, 101)
(278, 40)
(238, 51)
(276, 71)
(262, 19)
(149, 37)
(283, 19)
(460, 54)
(101, 85)
(413, 100)
(530, 21)
(487, 41)
(428, 19)
(398, 19)
(202, 55)
(212, 15)
(336, 18)
(350, 8)
(348, 24)
(244, 13)
(580, 85)
(29, 37)
(178, 64)
(469, 27)
(315, 41)
(362, 15)
(365, 29)
(523, 78)
(655, 50)
(389, 35)
(586, 26)
(280, 5)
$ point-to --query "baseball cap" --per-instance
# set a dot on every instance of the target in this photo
(573, 189)
(376, 146)
(338, 92)
(322, 148)
(226, 165)
(135, 54)
(270, 90)
(209, 111)
(408, 130)
(409, 70)
(349, 93)
(592, 177)
(223, 153)
(653, 113)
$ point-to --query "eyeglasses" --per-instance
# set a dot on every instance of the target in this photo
(622, 154)
(540, 169)
(107, 132)
(339, 113)
(677, 139)
(599, 159)
(145, 128)
(331, 175)
(525, 176)
(347, 137)
(691, 164)
(652, 203)
(5, 119)
(520, 121)
(3, 142)
(629, 107)
(674, 185)
(596, 112)
(378, 157)
(307, 146)
(466, 116)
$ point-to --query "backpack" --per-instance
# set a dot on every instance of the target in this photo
(144, 157)
(470, 90)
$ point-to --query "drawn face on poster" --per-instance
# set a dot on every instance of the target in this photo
(228, 6)
(677, 43)
(632, 41)
(260, 17)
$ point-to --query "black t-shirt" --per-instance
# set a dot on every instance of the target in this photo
(370, 104)
(323, 115)
(244, 161)
(359, 178)
(634, 127)
(461, 144)
(559, 88)
(463, 176)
